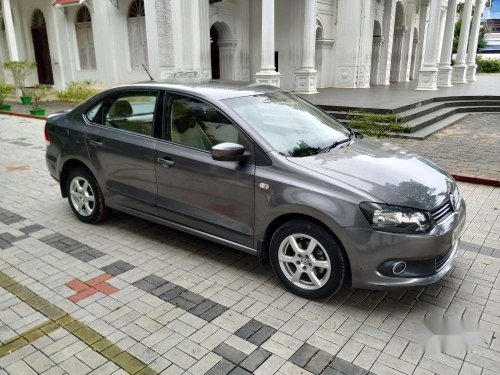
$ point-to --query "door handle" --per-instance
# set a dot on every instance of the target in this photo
(166, 163)
(96, 143)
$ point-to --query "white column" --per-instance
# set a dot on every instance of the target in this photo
(243, 64)
(427, 77)
(460, 67)
(445, 69)
(397, 52)
(407, 53)
(473, 41)
(439, 45)
(388, 34)
(206, 68)
(267, 74)
(9, 30)
(306, 76)
(375, 65)
(422, 29)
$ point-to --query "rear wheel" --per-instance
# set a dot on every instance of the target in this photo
(85, 197)
(307, 259)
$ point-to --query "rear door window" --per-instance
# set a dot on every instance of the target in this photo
(132, 111)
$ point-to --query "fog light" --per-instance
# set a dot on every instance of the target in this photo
(398, 267)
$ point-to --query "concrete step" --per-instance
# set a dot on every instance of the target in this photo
(430, 129)
(425, 117)
(432, 107)
(431, 118)
(419, 104)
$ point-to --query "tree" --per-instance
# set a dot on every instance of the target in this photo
(19, 71)
(456, 38)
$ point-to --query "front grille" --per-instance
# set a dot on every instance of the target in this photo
(442, 212)
(442, 259)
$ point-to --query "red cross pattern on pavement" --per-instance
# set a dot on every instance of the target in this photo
(14, 168)
(90, 287)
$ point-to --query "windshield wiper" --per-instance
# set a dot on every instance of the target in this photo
(337, 143)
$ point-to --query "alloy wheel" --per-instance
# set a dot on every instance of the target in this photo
(82, 196)
(304, 261)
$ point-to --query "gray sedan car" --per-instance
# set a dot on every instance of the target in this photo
(263, 171)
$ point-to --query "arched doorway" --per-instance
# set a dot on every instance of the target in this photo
(397, 44)
(378, 40)
(222, 50)
(137, 35)
(41, 48)
(85, 39)
(414, 55)
(214, 53)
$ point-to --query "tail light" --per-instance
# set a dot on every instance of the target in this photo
(47, 135)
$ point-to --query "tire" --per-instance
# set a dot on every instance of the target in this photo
(82, 187)
(285, 261)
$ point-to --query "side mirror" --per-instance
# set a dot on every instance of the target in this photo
(229, 152)
(359, 135)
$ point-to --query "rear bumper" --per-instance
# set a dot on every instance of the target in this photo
(430, 255)
(52, 167)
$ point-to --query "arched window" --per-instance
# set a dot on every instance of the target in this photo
(85, 39)
(137, 35)
(38, 19)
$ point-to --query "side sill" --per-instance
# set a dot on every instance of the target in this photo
(186, 229)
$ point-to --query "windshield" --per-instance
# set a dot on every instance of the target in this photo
(291, 125)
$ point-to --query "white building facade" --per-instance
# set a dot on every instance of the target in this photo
(300, 45)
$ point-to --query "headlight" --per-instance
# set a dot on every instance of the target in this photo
(389, 218)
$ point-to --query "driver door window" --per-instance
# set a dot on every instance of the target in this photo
(132, 112)
(198, 124)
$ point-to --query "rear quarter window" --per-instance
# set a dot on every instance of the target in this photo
(91, 114)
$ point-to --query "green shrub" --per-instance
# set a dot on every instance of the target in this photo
(78, 91)
(5, 89)
(488, 66)
(39, 93)
(19, 71)
(375, 124)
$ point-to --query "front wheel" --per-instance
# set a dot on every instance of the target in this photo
(85, 197)
(307, 259)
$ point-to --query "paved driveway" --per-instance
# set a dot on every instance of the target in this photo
(129, 296)
(471, 146)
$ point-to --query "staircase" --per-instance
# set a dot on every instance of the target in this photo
(427, 116)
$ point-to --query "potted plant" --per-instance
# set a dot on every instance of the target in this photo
(5, 89)
(19, 71)
(37, 94)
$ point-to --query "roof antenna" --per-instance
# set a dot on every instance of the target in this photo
(147, 71)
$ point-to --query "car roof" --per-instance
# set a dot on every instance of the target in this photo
(214, 89)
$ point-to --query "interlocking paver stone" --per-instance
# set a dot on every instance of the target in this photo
(303, 355)
(319, 362)
(213, 312)
(248, 329)
(239, 371)
(202, 307)
(261, 335)
(221, 368)
(230, 353)
(255, 359)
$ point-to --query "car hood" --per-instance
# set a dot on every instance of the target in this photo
(385, 171)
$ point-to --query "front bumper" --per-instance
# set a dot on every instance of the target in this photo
(368, 250)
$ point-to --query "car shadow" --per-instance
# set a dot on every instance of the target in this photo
(149, 236)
